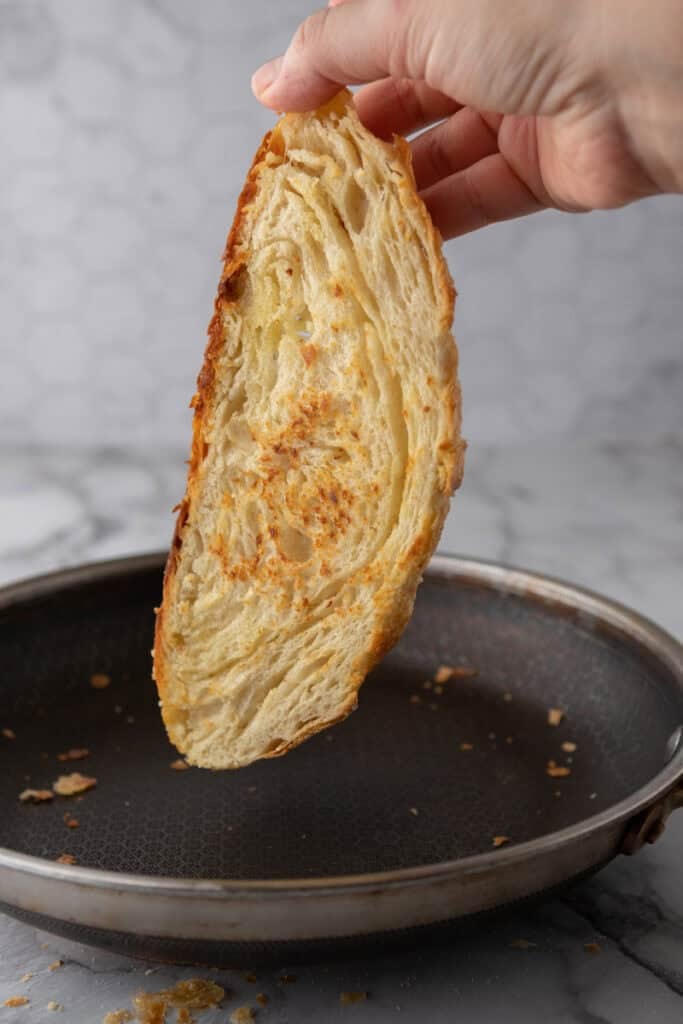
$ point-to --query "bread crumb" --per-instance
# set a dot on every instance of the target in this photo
(16, 1001)
(100, 681)
(592, 796)
(9, 734)
(118, 1017)
(52, 1005)
(179, 765)
(500, 840)
(557, 771)
(438, 690)
(414, 811)
(592, 947)
(184, 1016)
(71, 822)
(262, 999)
(555, 716)
(150, 1009)
(427, 685)
(27, 976)
(75, 754)
(507, 697)
(251, 978)
(55, 965)
(522, 944)
(467, 746)
(36, 796)
(558, 792)
(446, 672)
(242, 1015)
(130, 719)
(568, 747)
(508, 739)
(66, 858)
(287, 979)
(347, 998)
(69, 785)
(415, 699)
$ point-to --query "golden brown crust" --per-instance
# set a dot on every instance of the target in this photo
(395, 609)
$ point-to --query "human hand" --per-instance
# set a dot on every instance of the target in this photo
(530, 104)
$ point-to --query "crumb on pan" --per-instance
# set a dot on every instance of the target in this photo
(179, 765)
(118, 1017)
(9, 734)
(66, 858)
(70, 821)
(427, 685)
(36, 796)
(555, 716)
(27, 976)
(568, 747)
(433, 707)
(16, 1001)
(592, 947)
(507, 697)
(251, 978)
(52, 1005)
(100, 680)
(522, 944)
(347, 998)
(287, 979)
(446, 672)
(262, 999)
(414, 811)
(415, 698)
(55, 965)
(467, 746)
(500, 840)
(74, 754)
(438, 690)
(557, 771)
(70, 785)
(242, 1015)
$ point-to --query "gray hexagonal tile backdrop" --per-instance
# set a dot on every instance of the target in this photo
(126, 127)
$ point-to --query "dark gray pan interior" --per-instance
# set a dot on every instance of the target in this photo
(341, 803)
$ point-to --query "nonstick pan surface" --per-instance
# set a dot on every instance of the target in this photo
(385, 823)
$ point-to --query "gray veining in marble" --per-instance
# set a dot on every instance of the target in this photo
(126, 128)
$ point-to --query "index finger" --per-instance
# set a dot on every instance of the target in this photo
(347, 44)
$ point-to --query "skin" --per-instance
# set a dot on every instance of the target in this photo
(525, 104)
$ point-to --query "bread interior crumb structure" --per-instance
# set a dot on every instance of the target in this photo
(326, 445)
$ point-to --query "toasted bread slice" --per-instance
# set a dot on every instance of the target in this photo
(325, 446)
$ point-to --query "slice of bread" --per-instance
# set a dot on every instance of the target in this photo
(326, 444)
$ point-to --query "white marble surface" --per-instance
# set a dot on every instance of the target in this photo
(610, 516)
(126, 128)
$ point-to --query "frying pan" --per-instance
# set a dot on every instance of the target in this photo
(382, 828)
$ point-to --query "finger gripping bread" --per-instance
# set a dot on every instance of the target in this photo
(325, 446)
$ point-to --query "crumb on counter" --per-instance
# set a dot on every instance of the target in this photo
(100, 680)
(500, 841)
(242, 1015)
(569, 747)
(555, 716)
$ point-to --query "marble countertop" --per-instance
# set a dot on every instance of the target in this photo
(608, 516)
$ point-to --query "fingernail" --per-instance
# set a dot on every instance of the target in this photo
(265, 77)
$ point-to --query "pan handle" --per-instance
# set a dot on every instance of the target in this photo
(648, 826)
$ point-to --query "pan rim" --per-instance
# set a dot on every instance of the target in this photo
(633, 626)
